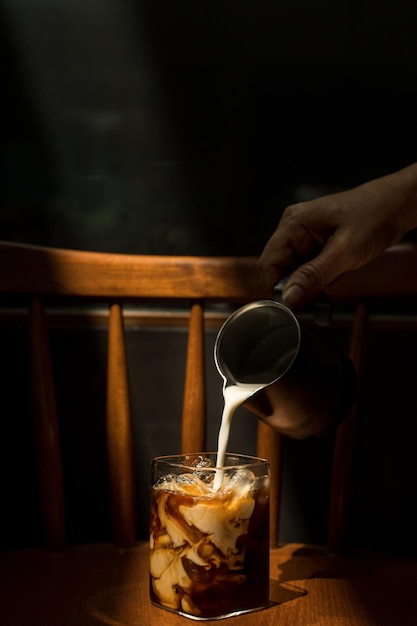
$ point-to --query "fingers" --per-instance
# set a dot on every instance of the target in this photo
(270, 275)
(290, 245)
(304, 283)
(325, 237)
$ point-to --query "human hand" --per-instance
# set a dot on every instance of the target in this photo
(321, 239)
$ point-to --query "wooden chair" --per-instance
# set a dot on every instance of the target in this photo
(108, 584)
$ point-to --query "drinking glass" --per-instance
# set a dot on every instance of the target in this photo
(209, 549)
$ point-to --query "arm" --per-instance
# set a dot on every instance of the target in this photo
(323, 238)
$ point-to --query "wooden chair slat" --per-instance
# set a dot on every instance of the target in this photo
(193, 429)
(119, 434)
(269, 446)
(46, 429)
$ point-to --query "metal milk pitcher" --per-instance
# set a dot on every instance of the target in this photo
(303, 385)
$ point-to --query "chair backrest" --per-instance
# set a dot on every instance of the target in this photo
(42, 273)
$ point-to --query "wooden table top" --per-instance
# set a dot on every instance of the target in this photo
(88, 586)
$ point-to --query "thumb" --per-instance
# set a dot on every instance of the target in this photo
(311, 278)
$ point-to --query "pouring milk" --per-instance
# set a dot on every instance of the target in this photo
(234, 396)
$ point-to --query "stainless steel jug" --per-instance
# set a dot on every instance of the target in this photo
(303, 384)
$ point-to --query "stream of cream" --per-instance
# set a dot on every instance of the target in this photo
(234, 396)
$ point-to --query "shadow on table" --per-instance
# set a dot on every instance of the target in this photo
(282, 592)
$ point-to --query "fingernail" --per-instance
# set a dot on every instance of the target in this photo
(293, 296)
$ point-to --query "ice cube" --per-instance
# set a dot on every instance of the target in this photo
(240, 482)
(201, 466)
(198, 461)
(165, 482)
(190, 484)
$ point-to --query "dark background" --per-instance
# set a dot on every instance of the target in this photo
(186, 127)
(161, 126)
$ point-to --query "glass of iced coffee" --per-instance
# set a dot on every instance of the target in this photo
(209, 546)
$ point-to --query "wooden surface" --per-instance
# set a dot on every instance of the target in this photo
(89, 586)
(85, 273)
(99, 274)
